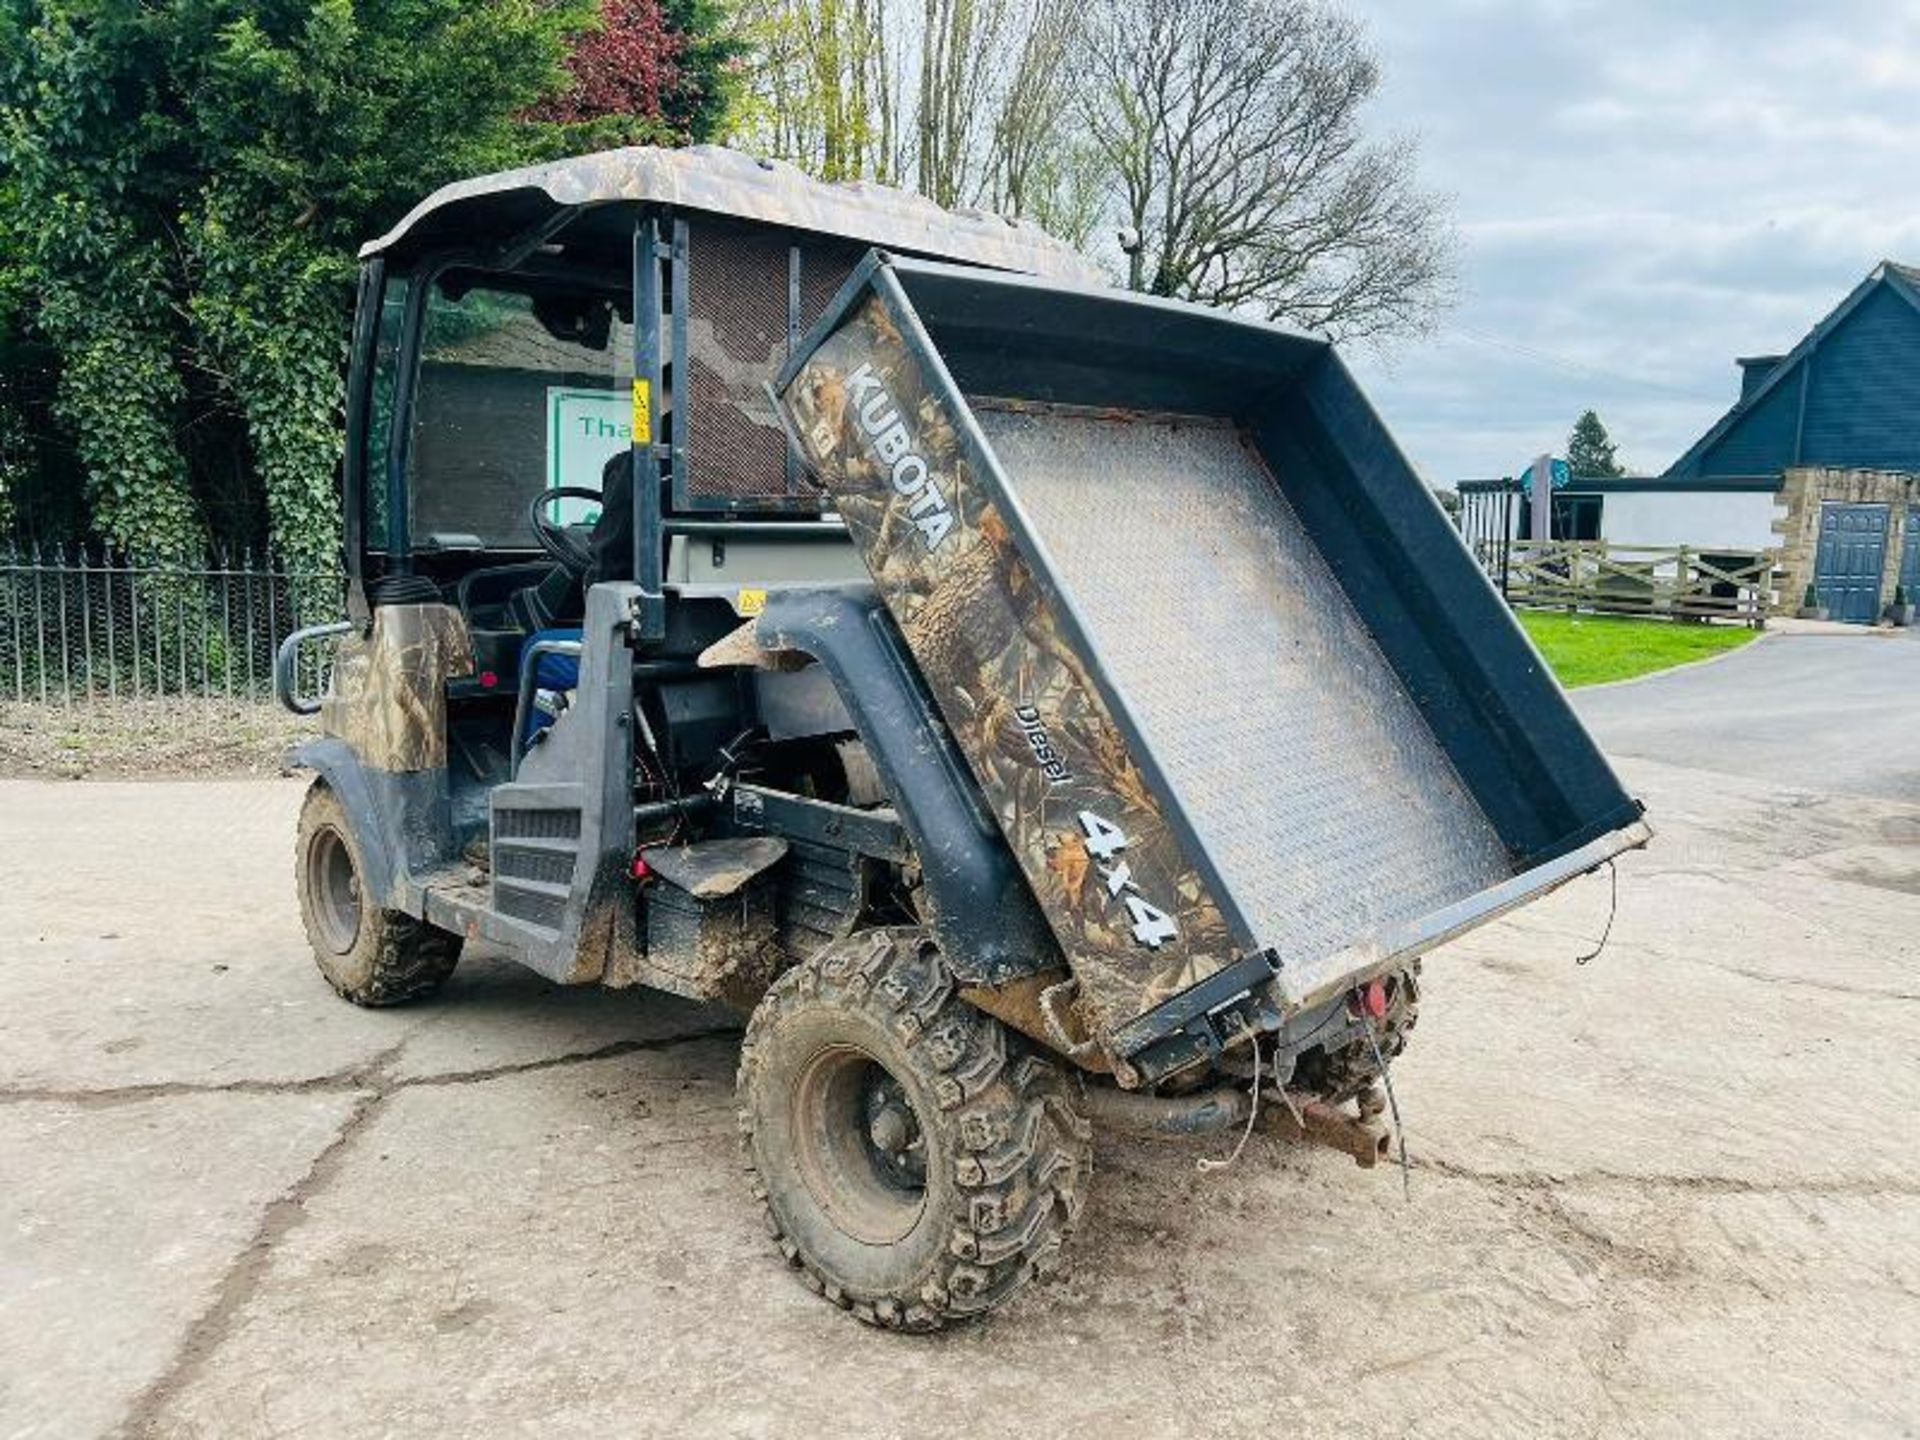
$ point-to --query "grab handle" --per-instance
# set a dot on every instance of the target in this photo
(286, 661)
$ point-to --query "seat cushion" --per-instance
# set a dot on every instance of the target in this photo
(555, 674)
(553, 671)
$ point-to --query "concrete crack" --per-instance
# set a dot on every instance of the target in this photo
(1831, 987)
(1633, 950)
(1537, 1180)
(249, 1269)
(575, 1057)
(344, 1081)
(374, 1088)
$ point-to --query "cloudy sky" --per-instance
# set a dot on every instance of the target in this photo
(1643, 192)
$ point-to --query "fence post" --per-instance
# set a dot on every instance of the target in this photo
(86, 619)
(159, 638)
(66, 649)
(13, 623)
(226, 621)
(39, 624)
(1506, 537)
(246, 564)
(113, 660)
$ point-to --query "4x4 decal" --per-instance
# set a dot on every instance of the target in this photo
(1152, 926)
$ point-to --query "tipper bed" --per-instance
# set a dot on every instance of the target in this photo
(1237, 695)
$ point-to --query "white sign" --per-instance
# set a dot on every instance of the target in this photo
(584, 429)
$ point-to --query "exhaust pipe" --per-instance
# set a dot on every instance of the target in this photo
(1365, 1138)
(1198, 1114)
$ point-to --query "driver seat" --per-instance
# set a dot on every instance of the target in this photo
(556, 600)
(542, 610)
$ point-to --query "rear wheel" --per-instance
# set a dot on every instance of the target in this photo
(917, 1162)
(369, 955)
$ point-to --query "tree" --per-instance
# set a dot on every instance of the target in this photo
(655, 71)
(964, 99)
(183, 183)
(1234, 132)
(960, 41)
(712, 64)
(1227, 135)
(823, 87)
(1590, 450)
(1036, 168)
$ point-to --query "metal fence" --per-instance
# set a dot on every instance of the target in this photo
(77, 626)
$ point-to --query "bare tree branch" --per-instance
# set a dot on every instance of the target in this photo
(1227, 135)
(1234, 132)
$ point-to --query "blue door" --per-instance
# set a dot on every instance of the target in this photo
(1848, 564)
(1910, 558)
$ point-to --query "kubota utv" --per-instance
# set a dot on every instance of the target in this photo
(1026, 702)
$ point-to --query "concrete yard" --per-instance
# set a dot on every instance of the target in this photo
(1672, 1192)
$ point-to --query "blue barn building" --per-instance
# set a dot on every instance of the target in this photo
(1847, 397)
(1836, 422)
(1817, 461)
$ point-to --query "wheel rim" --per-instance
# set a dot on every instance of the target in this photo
(335, 887)
(859, 1146)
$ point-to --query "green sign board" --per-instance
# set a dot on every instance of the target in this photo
(584, 429)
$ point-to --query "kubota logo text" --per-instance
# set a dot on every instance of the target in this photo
(884, 434)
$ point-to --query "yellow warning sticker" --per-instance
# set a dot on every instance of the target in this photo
(751, 602)
(643, 412)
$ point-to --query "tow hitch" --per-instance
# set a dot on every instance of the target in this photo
(1295, 1117)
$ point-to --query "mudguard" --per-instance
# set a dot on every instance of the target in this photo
(385, 748)
(985, 917)
(374, 815)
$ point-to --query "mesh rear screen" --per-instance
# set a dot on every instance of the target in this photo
(739, 323)
(824, 268)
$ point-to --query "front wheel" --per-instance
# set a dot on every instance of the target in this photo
(371, 956)
(918, 1163)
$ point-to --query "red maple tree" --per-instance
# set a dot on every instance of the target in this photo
(627, 67)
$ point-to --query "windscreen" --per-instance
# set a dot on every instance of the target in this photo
(517, 393)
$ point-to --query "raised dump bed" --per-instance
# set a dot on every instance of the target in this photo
(1238, 696)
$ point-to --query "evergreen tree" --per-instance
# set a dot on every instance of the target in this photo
(712, 64)
(1590, 450)
(182, 185)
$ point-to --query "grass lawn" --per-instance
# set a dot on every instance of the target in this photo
(1592, 649)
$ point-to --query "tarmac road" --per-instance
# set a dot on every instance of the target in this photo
(1673, 1192)
(1837, 712)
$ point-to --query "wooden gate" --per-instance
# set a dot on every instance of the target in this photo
(1669, 580)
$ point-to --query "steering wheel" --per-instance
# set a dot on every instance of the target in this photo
(571, 553)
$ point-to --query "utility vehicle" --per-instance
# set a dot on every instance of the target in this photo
(1027, 703)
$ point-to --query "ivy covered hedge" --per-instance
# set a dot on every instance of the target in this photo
(182, 187)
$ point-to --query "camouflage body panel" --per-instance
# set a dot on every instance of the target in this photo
(1067, 789)
(388, 696)
(714, 180)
